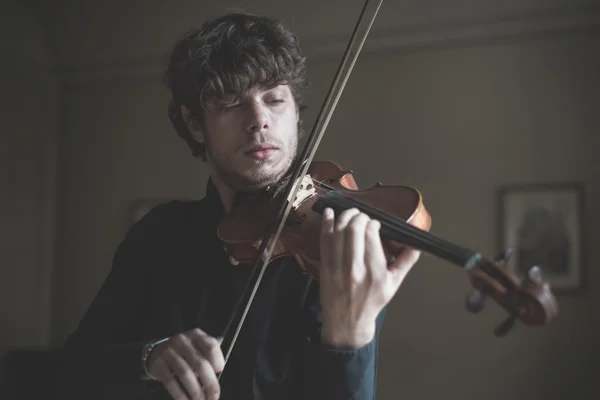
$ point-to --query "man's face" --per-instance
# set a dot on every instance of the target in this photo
(252, 140)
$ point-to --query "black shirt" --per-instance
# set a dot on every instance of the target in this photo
(172, 274)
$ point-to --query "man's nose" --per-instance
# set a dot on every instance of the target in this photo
(258, 118)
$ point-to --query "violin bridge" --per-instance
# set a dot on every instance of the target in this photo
(305, 191)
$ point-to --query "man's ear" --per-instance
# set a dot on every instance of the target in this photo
(192, 125)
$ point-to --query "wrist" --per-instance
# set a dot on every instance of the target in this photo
(354, 336)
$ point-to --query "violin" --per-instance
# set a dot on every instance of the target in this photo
(285, 220)
(405, 222)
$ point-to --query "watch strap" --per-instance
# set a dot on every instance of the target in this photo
(146, 350)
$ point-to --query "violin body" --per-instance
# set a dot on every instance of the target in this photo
(242, 230)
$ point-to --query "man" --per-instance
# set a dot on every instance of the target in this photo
(153, 329)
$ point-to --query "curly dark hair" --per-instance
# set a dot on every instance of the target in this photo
(231, 54)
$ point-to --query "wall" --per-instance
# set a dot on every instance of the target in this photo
(453, 98)
(29, 114)
(456, 123)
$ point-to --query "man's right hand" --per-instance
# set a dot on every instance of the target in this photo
(195, 358)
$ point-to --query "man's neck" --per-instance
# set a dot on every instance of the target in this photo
(226, 193)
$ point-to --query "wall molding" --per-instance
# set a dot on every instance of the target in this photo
(518, 26)
(521, 25)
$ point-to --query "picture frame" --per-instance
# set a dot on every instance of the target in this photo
(543, 225)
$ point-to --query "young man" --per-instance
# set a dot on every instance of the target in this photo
(237, 84)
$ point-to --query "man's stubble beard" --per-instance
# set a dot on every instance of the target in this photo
(251, 181)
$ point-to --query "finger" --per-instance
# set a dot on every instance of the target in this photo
(344, 218)
(186, 375)
(375, 259)
(354, 251)
(403, 263)
(338, 243)
(210, 348)
(161, 371)
(174, 388)
(327, 226)
(207, 361)
(328, 220)
(208, 378)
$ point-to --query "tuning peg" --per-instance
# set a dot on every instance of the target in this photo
(534, 275)
(475, 301)
(506, 326)
(504, 256)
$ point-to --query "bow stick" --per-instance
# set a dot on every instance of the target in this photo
(303, 162)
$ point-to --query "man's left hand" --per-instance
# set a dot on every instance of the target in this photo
(356, 281)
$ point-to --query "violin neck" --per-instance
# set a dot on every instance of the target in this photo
(401, 231)
(397, 229)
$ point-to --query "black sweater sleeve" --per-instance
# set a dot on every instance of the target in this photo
(336, 373)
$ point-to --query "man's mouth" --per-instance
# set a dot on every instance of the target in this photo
(261, 151)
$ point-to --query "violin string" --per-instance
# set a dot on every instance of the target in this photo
(425, 240)
(419, 238)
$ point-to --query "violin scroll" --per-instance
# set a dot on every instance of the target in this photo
(476, 299)
(529, 301)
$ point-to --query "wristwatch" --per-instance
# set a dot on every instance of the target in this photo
(146, 350)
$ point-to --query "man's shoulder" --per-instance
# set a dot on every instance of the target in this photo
(170, 209)
(169, 217)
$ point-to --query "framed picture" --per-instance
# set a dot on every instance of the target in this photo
(543, 224)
